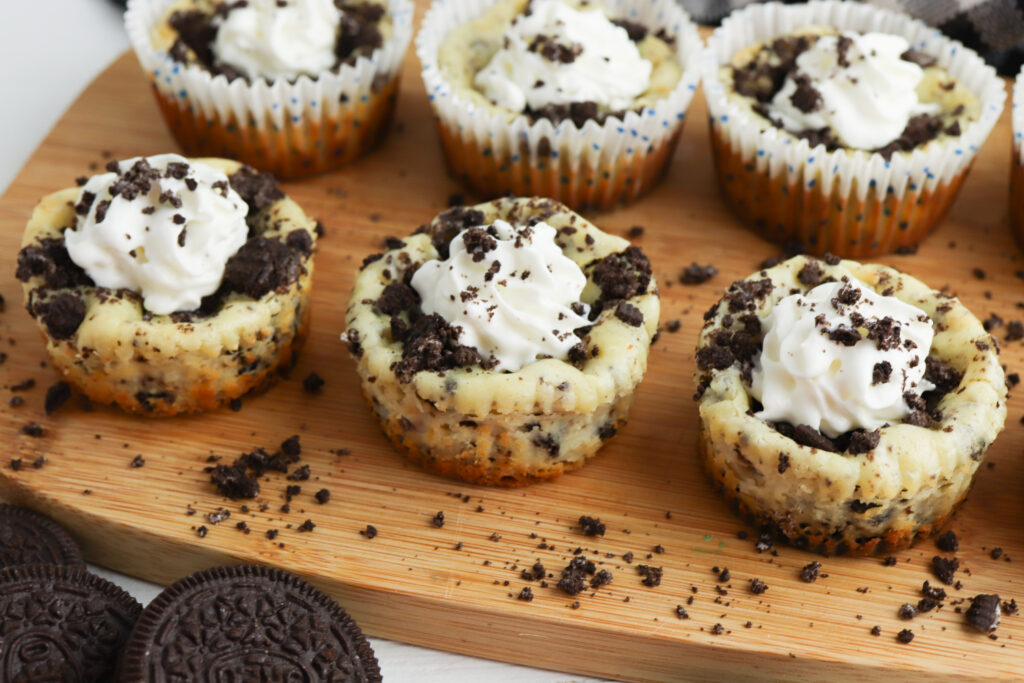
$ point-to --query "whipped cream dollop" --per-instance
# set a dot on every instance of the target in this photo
(270, 39)
(162, 226)
(855, 84)
(557, 54)
(509, 290)
(841, 357)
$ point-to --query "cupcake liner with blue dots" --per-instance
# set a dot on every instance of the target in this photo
(852, 203)
(593, 167)
(291, 128)
(1017, 160)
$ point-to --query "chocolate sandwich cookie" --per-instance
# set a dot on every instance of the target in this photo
(248, 623)
(28, 537)
(62, 624)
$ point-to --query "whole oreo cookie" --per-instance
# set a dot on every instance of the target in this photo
(28, 537)
(246, 623)
(61, 623)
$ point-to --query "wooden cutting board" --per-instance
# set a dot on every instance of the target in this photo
(411, 583)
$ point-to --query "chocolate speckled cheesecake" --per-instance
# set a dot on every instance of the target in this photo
(168, 285)
(502, 343)
(846, 406)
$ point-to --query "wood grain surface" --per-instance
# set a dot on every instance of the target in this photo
(454, 587)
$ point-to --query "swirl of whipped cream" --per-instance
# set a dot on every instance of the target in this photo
(162, 226)
(841, 357)
(559, 55)
(510, 291)
(857, 85)
(269, 40)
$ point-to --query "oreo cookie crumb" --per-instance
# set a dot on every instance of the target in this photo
(291, 447)
(652, 575)
(810, 572)
(945, 569)
(757, 586)
(629, 314)
(947, 542)
(696, 274)
(984, 613)
(313, 383)
(591, 526)
(601, 578)
(933, 592)
(370, 531)
(574, 576)
(56, 396)
(138, 461)
(438, 519)
(322, 496)
(258, 190)
(905, 636)
(907, 611)
(233, 481)
(33, 429)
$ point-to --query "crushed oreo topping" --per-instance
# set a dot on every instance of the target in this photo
(258, 190)
(261, 266)
(623, 275)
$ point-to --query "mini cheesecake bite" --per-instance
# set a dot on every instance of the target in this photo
(293, 87)
(167, 285)
(846, 406)
(502, 343)
(575, 101)
(843, 127)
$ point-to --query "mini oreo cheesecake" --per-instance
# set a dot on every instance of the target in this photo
(502, 343)
(293, 87)
(846, 406)
(168, 285)
(843, 127)
(575, 101)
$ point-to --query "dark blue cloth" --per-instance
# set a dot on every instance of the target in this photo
(993, 28)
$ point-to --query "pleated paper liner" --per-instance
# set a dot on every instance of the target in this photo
(850, 202)
(1017, 161)
(292, 129)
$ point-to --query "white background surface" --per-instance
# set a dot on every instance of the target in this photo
(50, 50)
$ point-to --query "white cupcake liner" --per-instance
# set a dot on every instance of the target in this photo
(597, 165)
(1017, 160)
(847, 176)
(289, 127)
(1017, 116)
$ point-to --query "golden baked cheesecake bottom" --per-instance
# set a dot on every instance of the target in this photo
(506, 428)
